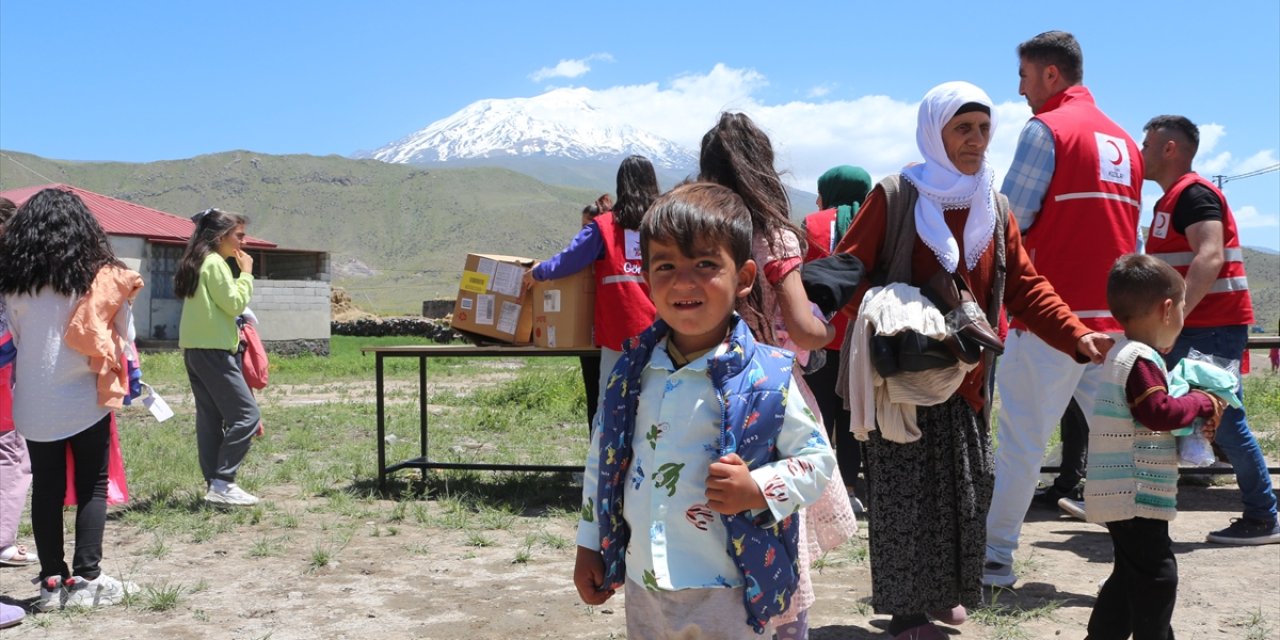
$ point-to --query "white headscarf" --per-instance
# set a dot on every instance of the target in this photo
(943, 187)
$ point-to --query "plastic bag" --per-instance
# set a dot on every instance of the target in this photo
(1193, 448)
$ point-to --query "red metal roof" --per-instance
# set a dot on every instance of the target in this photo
(124, 218)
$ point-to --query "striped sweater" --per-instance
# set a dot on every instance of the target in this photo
(1133, 471)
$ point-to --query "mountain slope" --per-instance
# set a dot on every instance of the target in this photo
(412, 227)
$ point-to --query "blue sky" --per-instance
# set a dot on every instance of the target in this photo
(833, 82)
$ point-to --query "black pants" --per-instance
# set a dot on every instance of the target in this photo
(1075, 448)
(591, 381)
(836, 418)
(90, 448)
(1140, 593)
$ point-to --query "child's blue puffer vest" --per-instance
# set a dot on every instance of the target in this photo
(751, 381)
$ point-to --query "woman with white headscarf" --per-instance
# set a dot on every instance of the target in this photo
(930, 492)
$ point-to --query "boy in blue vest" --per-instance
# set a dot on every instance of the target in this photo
(1133, 458)
(703, 449)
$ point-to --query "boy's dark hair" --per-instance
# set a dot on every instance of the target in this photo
(212, 225)
(1057, 48)
(695, 215)
(636, 188)
(1179, 128)
(7, 209)
(53, 241)
(1138, 283)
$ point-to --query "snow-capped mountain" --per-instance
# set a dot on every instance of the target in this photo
(562, 123)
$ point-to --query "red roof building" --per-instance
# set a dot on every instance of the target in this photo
(124, 218)
(291, 286)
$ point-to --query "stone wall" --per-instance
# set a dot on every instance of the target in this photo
(409, 326)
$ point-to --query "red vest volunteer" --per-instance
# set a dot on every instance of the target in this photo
(1090, 212)
(1227, 303)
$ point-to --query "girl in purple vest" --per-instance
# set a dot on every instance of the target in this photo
(611, 244)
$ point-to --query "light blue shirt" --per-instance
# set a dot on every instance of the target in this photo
(677, 542)
(1028, 179)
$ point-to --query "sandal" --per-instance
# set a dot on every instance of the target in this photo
(17, 556)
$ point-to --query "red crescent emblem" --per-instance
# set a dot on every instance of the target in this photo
(1119, 154)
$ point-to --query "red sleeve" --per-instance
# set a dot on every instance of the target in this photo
(864, 240)
(1151, 404)
(775, 271)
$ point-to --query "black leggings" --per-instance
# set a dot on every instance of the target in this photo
(90, 448)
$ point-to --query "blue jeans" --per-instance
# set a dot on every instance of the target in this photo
(1234, 436)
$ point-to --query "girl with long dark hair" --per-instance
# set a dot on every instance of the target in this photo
(212, 296)
(52, 253)
(611, 243)
(738, 154)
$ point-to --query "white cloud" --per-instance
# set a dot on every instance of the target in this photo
(569, 68)
(809, 137)
(819, 91)
(1248, 217)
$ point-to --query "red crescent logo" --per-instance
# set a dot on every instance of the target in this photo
(1119, 154)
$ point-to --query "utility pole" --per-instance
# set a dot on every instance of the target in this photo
(1219, 180)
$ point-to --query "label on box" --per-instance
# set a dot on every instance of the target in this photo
(484, 308)
(474, 282)
(551, 337)
(508, 279)
(486, 266)
(467, 303)
(510, 317)
(551, 301)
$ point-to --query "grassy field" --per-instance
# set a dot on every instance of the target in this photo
(318, 449)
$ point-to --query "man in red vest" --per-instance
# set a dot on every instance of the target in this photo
(1075, 189)
(1193, 230)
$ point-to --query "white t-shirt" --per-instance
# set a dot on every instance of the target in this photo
(55, 394)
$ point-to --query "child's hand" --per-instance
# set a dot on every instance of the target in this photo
(1210, 427)
(245, 261)
(588, 577)
(730, 487)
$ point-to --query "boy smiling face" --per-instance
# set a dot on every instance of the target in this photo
(696, 295)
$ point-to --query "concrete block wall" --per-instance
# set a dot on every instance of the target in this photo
(291, 309)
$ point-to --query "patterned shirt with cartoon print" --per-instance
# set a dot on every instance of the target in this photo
(677, 541)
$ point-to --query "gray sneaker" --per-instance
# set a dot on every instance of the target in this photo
(1073, 508)
(1247, 531)
(102, 591)
(52, 595)
(234, 496)
(995, 574)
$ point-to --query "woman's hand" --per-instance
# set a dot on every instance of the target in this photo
(730, 487)
(245, 261)
(1095, 346)
(528, 278)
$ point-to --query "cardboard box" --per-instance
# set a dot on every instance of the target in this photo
(564, 311)
(491, 300)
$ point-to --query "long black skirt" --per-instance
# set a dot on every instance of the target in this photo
(929, 502)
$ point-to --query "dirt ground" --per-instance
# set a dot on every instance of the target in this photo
(402, 580)
(429, 583)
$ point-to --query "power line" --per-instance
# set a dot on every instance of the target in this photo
(1221, 180)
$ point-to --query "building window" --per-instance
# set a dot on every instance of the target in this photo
(164, 265)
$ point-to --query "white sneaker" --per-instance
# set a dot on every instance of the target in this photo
(233, 496)
(102, 591)
(51, 594)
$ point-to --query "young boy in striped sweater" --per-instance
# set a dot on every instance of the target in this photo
(1133, 458)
